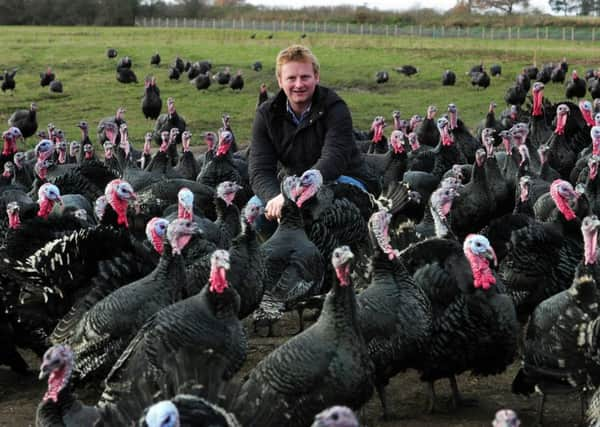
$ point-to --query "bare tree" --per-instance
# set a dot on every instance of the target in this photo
(506, 6)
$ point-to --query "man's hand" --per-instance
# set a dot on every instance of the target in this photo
(273, 208)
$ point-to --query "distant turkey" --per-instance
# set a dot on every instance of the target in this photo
(237, 82)
(448, 78)
(155, 59)
(382, 77)
(576, 87)
(111, 53)
(407, 70)
(257, 66)
(8, 81)
(56, 86)
(46, 77)
(222, 77)
(496, 70)
(151, 101)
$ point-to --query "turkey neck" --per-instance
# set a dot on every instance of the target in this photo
(228, 217)
(291, 217)
(395, 165)
(339, 309)
(225, 305)
(170, 272)
(446, 156)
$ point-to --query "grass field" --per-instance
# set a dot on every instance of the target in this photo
(349, 63)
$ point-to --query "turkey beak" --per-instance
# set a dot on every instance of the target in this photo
(44, 371)
(491, 255)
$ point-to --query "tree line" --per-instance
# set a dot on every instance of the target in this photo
(124, 12)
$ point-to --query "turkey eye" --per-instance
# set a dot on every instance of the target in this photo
(334, 416)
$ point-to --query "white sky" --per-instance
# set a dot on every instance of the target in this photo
(381, 4)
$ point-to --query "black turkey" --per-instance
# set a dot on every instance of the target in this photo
(576, 87)
(448, 78)
(263, 95)
(407, 70)
(111, 52)
(126, 75)
(8, 81)
(155, 59)
(187, 410)
(46, 77)
(382, 77)
(222, 77)
(496, 70)
(174, 73)
(202, 81)
(166, 122)
(326, 364)
(470, 312)
(257, 66)
(395, 315)
(237, 82)
(151, 101)
(25, 120)
(114, 123)
(480, 79)
(205, 327)
(554, 356)
(56, 86)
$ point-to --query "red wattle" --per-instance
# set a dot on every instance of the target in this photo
(482, 274)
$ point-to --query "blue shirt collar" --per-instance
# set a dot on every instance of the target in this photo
(297, 120)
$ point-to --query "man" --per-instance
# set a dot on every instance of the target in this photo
(304, 126)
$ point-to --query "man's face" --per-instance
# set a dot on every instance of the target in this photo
(298, 80)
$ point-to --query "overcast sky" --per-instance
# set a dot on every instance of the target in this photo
(381, 4)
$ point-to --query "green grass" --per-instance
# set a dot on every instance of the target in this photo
(349, 63)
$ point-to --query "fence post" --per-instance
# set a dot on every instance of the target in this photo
(420, 30)
(509, 33)
(347, 28)
(362, 29)
(371, 29)
(433, 32)
(387, 30)
(295, 24)
(564, 33)
(572, 33)
(483, 32)
(468, 31)
(316, 26)
(282, 25)
(214, 24)
(325, 26)
(302, 26)
(167, 22)
(492, 33)
(518, 33)
(195, 22)
(443, 31)
(396, 30)
(593, 34)
(457, 31)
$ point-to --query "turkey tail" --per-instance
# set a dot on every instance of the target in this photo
(522, 384)
(395, 197)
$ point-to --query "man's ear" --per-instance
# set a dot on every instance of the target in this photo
(317, 77)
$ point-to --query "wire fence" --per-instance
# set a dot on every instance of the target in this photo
(490, 33)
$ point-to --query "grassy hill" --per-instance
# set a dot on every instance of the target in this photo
(349, 63)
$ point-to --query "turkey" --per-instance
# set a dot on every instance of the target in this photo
(202, 81)
(496, 70)
(480, 79)
(237, 82)
(155, 59)
(427, 132)
(539, 130)
(516, 94)
(187, 168)
(448, 78)
(554, 358)
(46, 77)
(124, 63)
(263, 95)
(174, 73)
(106, 329)
(374, 141)
(178, 64)
(576, 87)
(151, 101)
(126, 75)
(326, 364)
(223, 77)
(166, 122)
(114, 123)
(25, 120)
(257, 66)
(475, 326)
(465, 141)
(8, 81)
(382, 77)
(56, 86)
(59, 406)
(395, 315)
(205, 327)
(111, 53)
(543, 256)
(558, 74)
(390, 167)
(293, 264)
(408, 70)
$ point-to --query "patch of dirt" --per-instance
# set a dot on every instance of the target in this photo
(19, 396)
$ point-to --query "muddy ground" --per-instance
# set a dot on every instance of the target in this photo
(19, 395)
